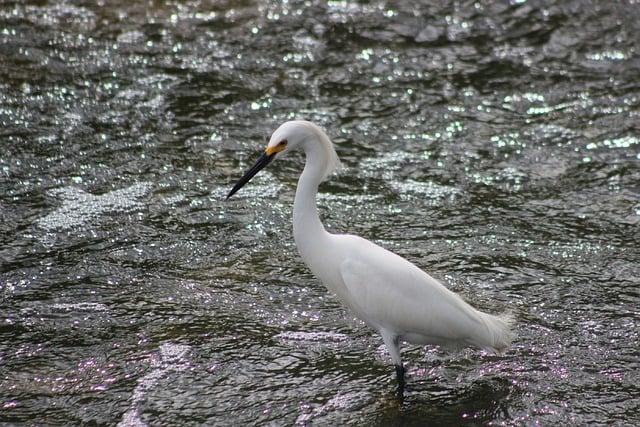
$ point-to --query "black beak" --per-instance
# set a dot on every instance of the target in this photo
(263, 161)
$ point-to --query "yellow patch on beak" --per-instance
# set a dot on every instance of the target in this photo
(270, 151)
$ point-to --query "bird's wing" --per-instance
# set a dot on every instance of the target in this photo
(391, 293)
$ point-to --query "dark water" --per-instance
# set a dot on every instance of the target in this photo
(496, 145)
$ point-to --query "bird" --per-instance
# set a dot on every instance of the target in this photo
(393, 296)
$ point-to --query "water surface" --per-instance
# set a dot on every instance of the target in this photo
(497, 146)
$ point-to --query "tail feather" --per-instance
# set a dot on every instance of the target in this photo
(497, 334)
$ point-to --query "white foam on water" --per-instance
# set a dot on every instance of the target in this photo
(172, 359)
(79, 207)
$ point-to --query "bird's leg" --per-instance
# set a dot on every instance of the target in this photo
(401, 383)
(392, 341)
(400, 372)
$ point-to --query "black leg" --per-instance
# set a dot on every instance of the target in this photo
(400, 373)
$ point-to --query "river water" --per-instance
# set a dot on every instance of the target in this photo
(494, 144)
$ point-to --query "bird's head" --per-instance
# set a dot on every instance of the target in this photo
(288, 137)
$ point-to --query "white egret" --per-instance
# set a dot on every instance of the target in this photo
(393, 296)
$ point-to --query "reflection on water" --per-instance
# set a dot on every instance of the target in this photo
(494, 144)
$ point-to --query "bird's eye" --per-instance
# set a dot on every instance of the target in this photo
(283, 143)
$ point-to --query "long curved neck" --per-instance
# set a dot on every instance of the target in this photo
(307, 228)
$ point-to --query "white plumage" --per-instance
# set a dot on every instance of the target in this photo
(389, 293)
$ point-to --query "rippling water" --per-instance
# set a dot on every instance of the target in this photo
(496, 145)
